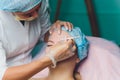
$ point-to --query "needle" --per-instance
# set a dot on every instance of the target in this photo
(70, 38)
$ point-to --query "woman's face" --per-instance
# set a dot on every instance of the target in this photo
(55, 37)
(29, 15)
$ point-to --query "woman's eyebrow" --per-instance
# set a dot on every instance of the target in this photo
(50, 41)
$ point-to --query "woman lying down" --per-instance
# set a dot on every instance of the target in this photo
(102, 62)
(65, 70)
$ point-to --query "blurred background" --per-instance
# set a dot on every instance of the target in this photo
(99, 18)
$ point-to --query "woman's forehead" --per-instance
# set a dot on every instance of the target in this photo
(55, 37)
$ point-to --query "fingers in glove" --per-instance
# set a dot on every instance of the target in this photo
(73, 48)
(69, 25)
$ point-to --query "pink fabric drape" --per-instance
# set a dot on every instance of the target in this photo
(102, 63)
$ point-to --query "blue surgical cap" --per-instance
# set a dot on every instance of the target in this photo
(81, 42)
(18, 5)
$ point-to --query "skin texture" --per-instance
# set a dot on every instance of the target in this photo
(24, 72)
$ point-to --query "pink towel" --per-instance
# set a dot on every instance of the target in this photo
(103, 62)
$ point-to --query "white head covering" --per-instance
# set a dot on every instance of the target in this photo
(18, 5)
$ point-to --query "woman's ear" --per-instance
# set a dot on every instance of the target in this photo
(77, 60)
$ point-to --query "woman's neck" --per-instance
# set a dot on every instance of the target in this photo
(62, 72)
(60, 76)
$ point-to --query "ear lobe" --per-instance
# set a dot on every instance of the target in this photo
(77, 60)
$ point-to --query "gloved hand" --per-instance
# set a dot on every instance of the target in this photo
(58, 24)
(62, 50)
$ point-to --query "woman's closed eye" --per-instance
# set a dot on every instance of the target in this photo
(50, 43)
